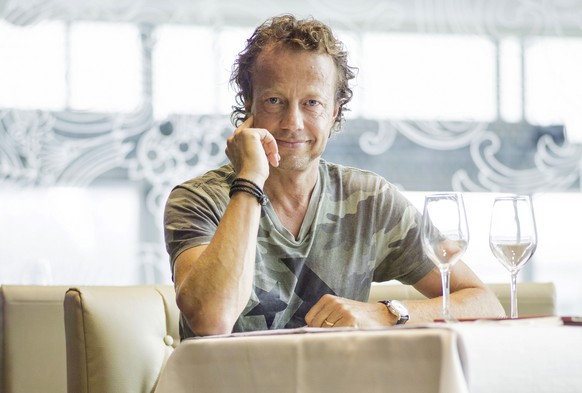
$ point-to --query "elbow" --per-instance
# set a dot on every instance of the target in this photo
(203, 319)
(210, 327)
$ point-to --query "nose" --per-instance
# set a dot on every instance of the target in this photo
(292, 119)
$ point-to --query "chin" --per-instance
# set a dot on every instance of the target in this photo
(297, 163)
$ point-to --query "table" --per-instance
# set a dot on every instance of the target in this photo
(538, 355)
(529, 355)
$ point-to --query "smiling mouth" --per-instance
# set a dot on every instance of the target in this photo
(291, 144)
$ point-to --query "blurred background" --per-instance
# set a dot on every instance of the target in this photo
(106, 105)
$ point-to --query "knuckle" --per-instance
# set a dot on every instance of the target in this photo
(328, 297)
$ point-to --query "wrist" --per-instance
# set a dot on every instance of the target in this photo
(249, 187)
(397, 311)
(258, 179)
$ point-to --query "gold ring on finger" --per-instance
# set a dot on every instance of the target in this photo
(328, 323)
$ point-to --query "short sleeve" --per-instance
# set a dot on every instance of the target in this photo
(405, 259)
(192, 213)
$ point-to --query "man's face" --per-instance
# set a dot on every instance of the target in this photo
(294, 99)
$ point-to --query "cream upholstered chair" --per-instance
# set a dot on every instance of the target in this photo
(32, 338)
(118, 338)
(533, 299)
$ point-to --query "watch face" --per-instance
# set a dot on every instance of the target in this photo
(399, 308)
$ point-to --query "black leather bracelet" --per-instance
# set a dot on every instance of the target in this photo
(250, 187)
(239, 180)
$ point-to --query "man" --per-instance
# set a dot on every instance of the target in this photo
(279, 238)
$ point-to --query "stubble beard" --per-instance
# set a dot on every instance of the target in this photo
(297, 162)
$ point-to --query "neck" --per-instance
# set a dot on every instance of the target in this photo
(289, 194)
(290, 187)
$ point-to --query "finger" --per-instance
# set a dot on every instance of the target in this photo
(245, 124)
(313, 312)
(332, 320)
(248, 123)
(267, 140)
(321, 312)
(337, 322)
(271, 149)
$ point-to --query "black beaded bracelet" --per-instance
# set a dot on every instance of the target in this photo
(250, 187)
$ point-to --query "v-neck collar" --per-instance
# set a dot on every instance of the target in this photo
(310, 214)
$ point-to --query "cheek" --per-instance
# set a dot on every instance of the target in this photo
(264, 115)
(324, 118)
(264, 119)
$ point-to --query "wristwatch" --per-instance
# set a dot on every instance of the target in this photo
(397, 309)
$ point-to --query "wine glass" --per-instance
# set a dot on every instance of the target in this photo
(513, 237)
(445, 236)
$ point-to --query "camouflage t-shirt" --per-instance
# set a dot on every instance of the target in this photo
(358, 228)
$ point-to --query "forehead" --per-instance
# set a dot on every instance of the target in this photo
(284, 65)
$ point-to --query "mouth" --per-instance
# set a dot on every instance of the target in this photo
(293, 144)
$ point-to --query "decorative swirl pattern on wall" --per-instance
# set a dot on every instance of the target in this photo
(563, 162)
(441, 135)
(176, 150)
(76, 148)
(67, 148)
(555, 168)
(72, 148)
(376, 143)
(23, 137)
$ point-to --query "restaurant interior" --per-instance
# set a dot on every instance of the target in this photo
(105, 106)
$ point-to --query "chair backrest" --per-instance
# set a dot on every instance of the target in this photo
(32, 338)
(119, 338)
(533, 299)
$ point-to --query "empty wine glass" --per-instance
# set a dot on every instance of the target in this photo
(445, 236)
(513, 237)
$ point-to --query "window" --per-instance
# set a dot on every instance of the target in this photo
(106, 69)
(183, 71)
(554, 83)
(510, 80)
(428, 77)
(32, 66)
(71, 235)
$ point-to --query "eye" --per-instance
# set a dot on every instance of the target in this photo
(312, 102)
(273, 100)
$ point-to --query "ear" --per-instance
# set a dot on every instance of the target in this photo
(336, 109)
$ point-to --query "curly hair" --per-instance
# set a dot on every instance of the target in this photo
(287, 31)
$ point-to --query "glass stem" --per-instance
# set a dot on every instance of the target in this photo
(513, 306)
(446, 282)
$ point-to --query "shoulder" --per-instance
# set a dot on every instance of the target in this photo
(354, 179)
(364, 188)
(210, 189)
(216, 178)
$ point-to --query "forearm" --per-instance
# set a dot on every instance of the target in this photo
(469, 298)
(478, 302)
(214, 286)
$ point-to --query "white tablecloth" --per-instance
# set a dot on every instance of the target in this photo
(536, 355)
(318, 360)
(529, 356)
